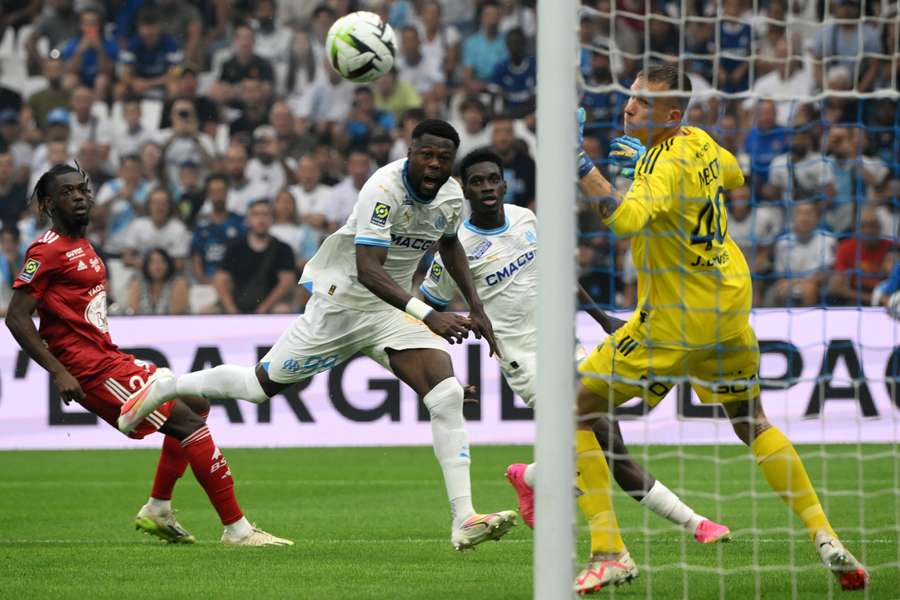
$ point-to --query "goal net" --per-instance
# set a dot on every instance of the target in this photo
(804, 95)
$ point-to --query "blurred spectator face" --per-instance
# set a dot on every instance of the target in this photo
(243, 41)
(308, 173)
(490, 18)
(502, 136)
(9, 242)
(151, 154)
(159, 206)
(252, 92)
(90, 23)
(801, 144)
(235, 162)
(189, 177)
(148, 32)
(845, 9)
(54, 71)
(322, 20)
(410, 41)
(281, 119)
(56, 132)
(380, 148)
(130, 171)
(806, 216)
(259, 218)
(265, 15)
(184, 118)
(732, 8)
(363, 101)
(57, 153)
(841, 142)
(131, 112)
(869, 228)
(517, 45)
(187, 85)
(285, 208)
(82, 100)
(600, 66)
(386, 83)
(358, 164)
(739, 202)
(217, 194)
(6, 168)
(156, 267)
(431, 16)
(62, 7)
(9, 130)
(765, 114)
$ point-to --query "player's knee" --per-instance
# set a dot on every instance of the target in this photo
(445, 403)
(242, 379)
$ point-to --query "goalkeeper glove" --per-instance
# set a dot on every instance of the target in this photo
(585, 164)
(626, 151)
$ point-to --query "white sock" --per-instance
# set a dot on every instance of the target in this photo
(221, 383)
(666, 504)
(239, 529)
(451, 445)
(159, 506)
(529, 475)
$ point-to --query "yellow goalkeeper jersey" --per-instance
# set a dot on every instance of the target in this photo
(693, 283)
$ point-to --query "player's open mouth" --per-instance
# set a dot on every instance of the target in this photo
(489, 201)
(429, 183)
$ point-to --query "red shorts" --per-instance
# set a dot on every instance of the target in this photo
(104, 395)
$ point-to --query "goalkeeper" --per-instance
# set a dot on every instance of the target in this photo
(692, 317)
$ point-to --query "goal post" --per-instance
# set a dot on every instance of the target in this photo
(555, 527)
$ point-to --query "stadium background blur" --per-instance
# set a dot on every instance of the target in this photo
(185, 113)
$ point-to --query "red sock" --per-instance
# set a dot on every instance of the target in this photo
(172, 464)
(211, 470)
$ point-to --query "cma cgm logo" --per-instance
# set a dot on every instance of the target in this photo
(510, 269)
(410, 242)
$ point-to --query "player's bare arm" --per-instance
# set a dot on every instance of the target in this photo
(18, 320)
(457, 266)
(370, 272)
(608, 323)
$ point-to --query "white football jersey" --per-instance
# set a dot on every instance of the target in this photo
(502, 262)
(387, 214)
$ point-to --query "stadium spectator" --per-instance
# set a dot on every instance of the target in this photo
(518, 166)
(253, 108)
(243, 64)
(788, 83)
(182, 22)
(850, 43)
(90, 157)
(862, 262)
(440, 41)
(472, 127)
(483, 50)
(120, 200)
(735, 38)
(153, 169)
(325, 103)
(754, 229)
(291, 144)
(56, 135)
(312, 199)
(257, 272)
(273, 41)
(47, 156)
(241, 191)
(515, 14)
(288, 228)
(266, 169)
(55, 95)
(770, 31)
(161, 228)
(184, 141)
(159, 289)
(427, 78)
(379, 147)
(514, 80)
(856, 176)
(838, 104)
(883, 128)
(188, 193)
(304, 67)
(86, 123)
(91, 55)
(801, 259)
(410, 119)
(183, 85)
(57, 25)
(213, 231)
(11, 141)
(365, 117)
(344, 194)
(130, 135)
(765, 140)
(13, 196)
(802, 173)
(11, 258)
(148, 58)
(395, 96)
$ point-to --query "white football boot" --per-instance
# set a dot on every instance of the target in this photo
(256, 537)
(480, 528)
(601, 573)
(849, 572)
(163, 525)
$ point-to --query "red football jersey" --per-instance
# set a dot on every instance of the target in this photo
(68, 280)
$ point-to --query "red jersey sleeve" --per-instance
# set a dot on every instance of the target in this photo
(37, 270)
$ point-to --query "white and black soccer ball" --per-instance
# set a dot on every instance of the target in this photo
(361, 48)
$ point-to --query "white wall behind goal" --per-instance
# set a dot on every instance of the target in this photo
(814, 354)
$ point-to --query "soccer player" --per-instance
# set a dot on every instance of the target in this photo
(692, 319)
(360, 280)
(64, 280)
(501, 244)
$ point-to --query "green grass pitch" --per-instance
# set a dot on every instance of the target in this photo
(374, 523)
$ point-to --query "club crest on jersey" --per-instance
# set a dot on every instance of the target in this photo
(436, 271)
(380, 213)
(479, 250)
(530, 237)
(441, 223)
(29, 269)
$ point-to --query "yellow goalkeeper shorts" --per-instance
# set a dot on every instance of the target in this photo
(627, 366)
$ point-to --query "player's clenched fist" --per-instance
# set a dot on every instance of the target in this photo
(626, 151)
(450, 326)
(68, 387)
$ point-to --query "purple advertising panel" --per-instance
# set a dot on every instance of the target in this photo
(827, 378)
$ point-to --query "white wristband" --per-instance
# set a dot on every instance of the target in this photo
(418, 309)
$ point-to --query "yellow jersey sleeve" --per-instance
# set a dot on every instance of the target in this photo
(732, 176)
(649, 196)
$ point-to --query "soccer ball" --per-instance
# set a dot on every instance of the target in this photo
(361, 47)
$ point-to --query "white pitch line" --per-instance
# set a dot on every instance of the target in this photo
(362, 541)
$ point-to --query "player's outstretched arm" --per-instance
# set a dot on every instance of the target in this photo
(602, 195)
(18, 320)
(454, 258)
(608, 323)
(371, 274)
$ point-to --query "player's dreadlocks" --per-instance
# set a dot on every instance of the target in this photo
(41, 192)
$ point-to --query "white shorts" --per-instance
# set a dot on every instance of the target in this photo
(519, 367)
(327, 335)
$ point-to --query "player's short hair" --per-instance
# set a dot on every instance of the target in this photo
(42, 187)
(438, 128)
(673, 79)
(479, 155)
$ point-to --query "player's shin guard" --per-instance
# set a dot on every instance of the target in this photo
(211, 470)
(451, 444)
(172, 464)
(786, 475)
(221, 383)
(595, 499)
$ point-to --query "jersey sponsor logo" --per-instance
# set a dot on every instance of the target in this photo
(380, 213)
(82, 266)
(48, 238)
(479, 250)
(410, 242)
(73, 254)
(436, 271)
(95, 312)
(29, 269)
(511, 269)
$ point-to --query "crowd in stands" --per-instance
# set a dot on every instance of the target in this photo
(222, 147)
